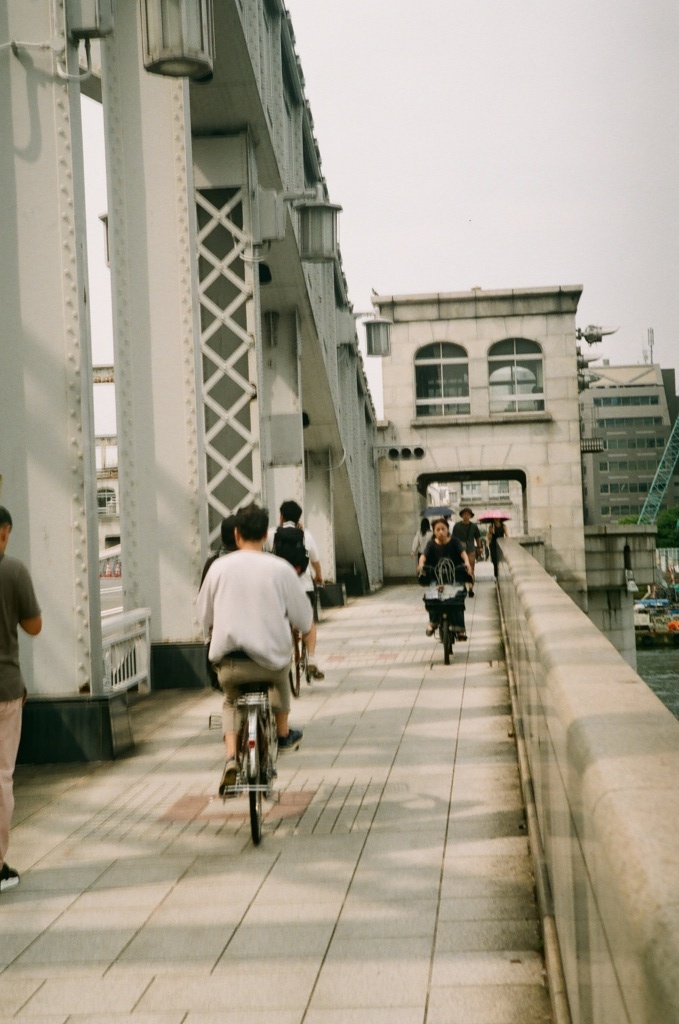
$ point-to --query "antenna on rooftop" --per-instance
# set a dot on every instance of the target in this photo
(651, 340)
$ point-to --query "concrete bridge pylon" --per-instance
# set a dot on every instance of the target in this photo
(484, 385)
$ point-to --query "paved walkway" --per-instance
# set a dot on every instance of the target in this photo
(392, 886)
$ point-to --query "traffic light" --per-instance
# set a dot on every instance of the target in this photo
(405, 452)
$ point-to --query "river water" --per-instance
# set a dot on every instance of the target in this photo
(659, 667)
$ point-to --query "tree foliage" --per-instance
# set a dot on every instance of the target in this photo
(668, 528)
(667, 523)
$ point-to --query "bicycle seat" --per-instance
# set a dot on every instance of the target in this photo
(256, 687)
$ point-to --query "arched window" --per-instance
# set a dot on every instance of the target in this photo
(515, 376)
(106, 500)
(441, 380)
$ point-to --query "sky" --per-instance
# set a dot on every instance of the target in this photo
(500, 144)
(505, 143)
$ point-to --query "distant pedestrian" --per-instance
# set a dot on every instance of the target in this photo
(420, 541)
(228, 544)
(469, 534)
(497, 529)
(18, 607)
(292, 541)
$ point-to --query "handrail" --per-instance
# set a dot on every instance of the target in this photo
(603, 755)
(126, 649)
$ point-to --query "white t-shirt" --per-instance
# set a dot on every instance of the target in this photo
(310, 544)
(420, 541)
(249, 599)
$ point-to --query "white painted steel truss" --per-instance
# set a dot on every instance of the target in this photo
(229, 358)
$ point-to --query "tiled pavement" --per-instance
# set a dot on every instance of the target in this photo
(393, 884)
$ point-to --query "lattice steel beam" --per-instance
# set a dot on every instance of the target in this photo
(228, 347)
(661, 480)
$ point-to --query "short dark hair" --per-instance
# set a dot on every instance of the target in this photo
(291, 511)
(228, 539)
(5, 517)
(252, 522)
(441, 520)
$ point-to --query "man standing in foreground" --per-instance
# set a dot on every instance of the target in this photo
(18, 607)
(249, 600)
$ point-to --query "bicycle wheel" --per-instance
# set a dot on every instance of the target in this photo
(256, 815)
(446, 639)
(255, 792)
(304, 663)
(295, 674)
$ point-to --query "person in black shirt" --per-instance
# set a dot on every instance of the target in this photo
(441, 546)
(470, 535)
(497, 529)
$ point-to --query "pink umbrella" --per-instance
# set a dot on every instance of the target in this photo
(489, 514)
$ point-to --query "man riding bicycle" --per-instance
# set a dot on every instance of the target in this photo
(249, 600)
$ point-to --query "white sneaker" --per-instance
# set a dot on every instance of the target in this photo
(8, 877)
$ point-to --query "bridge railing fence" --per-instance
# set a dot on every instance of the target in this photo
(126, 649)
(603, 756)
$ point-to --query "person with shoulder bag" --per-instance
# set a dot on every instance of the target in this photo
(470, 536)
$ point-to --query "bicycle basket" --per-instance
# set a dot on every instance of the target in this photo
(444, 571)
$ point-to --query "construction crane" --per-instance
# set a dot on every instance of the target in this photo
(661, 480)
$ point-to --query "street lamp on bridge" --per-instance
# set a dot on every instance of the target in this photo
(178, 38)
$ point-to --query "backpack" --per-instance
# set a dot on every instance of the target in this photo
(288, 543)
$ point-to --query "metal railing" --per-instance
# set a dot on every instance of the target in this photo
(126, 648)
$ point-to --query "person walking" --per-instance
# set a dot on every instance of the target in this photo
(420, 541)
(470, 536)
(497, 529)
(228, 544)
(311, 575)
(18, 607)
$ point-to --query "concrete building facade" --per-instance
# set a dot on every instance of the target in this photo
(482, 386)
(627, 413)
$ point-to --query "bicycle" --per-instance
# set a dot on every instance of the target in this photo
(445, 598)
(300, 663)
(256, 751)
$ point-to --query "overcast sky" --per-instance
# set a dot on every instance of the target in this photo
(505, 143)
(502, 143)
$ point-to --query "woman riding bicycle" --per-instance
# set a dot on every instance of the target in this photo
(441, 546)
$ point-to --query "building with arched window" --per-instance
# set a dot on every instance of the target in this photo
(515, 377)
(481, 395)
(441, 380)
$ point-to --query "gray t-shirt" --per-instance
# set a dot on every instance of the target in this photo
(17, 602)
(469, 534)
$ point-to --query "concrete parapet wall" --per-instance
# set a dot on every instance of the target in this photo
(604, 760)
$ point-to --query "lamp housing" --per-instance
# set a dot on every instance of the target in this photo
(317, 230)
(178, 38)
(378, 336)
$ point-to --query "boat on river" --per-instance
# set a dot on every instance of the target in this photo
(656, 622)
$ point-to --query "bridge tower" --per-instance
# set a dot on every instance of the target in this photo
(484, 385)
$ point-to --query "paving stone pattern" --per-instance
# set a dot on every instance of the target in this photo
(393, 884)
